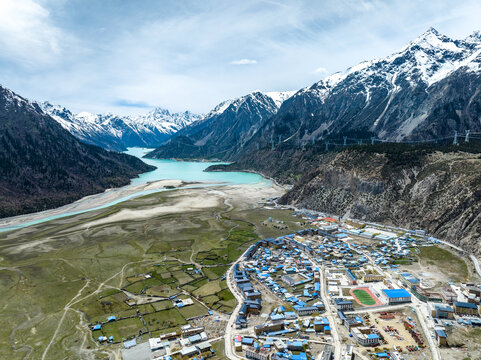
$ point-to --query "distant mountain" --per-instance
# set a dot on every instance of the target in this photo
(43, 166)
(427, 90)
(222, 133)
(116, 132)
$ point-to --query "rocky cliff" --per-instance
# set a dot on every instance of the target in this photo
(439, 191)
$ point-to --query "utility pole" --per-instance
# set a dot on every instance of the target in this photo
(327, 145)
(279, 141)
(466, 139)
(257, 146)
(272, 141)
(455, 142)
(345, 140)
(372, 140)
(303, 146)
(312, 140)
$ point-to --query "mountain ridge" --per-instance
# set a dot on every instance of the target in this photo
(222, 132)
(43, 166)
(116, 132)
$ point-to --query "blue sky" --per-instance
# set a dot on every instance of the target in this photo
(128, 56)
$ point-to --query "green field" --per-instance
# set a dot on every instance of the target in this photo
(364, 297)
(450, 264)
(62, 275)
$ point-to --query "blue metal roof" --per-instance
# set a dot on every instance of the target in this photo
(396, 293)
(465, 305)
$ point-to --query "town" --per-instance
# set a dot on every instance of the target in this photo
(337, 289)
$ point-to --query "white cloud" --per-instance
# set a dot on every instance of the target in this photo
(26, 33)
(179, 54)
(321, 70)
(243, 62)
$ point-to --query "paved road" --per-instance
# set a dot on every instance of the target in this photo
(229, 351)
(476, 264)
(331, 312)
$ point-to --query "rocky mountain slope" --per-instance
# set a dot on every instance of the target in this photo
(116, 132)
(431, 187)
(439, 191)
(222, 133)
(43, 166)
(427, 90)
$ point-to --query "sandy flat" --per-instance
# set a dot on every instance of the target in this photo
(201, 196)
(90, 202)
(194, 199)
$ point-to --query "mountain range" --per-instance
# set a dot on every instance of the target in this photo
(115, 132)
(427, 90)
(43, 166)
(223, 132)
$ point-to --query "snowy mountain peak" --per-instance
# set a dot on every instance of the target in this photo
(12, 98)
(278, 97)
(432, 39)
(475, 37)
(430, 57)
(118, 132)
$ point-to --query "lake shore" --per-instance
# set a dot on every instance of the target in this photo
(246, 194)
(91, 202)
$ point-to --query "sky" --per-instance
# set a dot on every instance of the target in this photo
(126, 57)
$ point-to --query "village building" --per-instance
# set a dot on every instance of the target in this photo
(396, 296)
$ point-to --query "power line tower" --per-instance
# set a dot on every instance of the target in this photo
(327, 145)
(303, 146)
(455, 141)
(345, 140)
(466, 138)
(372, 140)
(312, 141)
(360, 142)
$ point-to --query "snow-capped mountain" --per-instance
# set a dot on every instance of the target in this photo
(225, 129)
(43, 166)
(428, 89)
(119, 132)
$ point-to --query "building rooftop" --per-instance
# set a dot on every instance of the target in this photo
(396, 293)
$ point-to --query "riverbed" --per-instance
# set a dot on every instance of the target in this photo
(169, 175)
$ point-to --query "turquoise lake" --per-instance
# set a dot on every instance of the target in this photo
(189, 171)
(166, 170)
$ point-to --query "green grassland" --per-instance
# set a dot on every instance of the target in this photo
(58, 277)
(446, 262)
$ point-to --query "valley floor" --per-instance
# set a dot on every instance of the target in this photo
(59, 276)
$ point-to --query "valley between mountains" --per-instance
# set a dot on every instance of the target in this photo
(258, 219)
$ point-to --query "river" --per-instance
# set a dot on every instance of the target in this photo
(166, 169)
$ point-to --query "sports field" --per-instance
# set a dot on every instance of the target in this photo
(364, 296)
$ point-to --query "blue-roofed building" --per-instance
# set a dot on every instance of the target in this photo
(465, 308)
(344, 305)
(195, 338)
(111, 318)
(130, 343)
(396, 296)
(247, 341)
(295, 345)
(441, 337)
(443, 312)
(97, 327)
